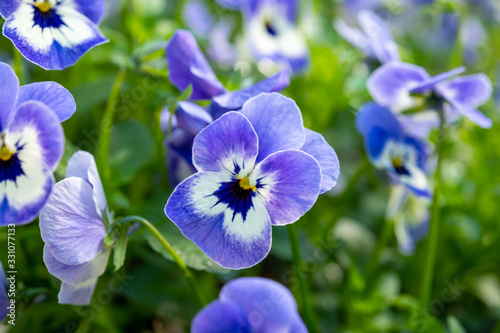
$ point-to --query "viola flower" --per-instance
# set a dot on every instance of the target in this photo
(375, 41)
(250, 304)
(4, 299)
(272, 32)
(53, 34)
(251, 175)
(31, 144)
(389, 148)
(394, 85)
(73, 230)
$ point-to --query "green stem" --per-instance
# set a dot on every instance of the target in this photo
(374, 260)
(307, 305)
(106, 127)
(432, 241)
(18, 65)
(170, 250)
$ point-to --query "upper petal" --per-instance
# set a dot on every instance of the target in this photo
(188, 66)
(52, 94)
(277, 121)
(290, 182)
(93, 9)
(219, 317)
(234, 100)
(76, 274)
(82, 165)
(54, 43)
(353, 36)
(390, 84)
(192, 117)
(433, 81)
(235, 234)
(7, 7)
(69, 224)
(317, 147)
(380, 36)
(270, 307)
(229, 144)
(8, 93)
(473, 90)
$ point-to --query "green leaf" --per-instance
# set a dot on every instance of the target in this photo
(454, 325)
(131, 148)
(120, 249)
(187, 250)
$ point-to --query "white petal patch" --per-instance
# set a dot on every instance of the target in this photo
(287, 41)
(75, 30)
(29, 187)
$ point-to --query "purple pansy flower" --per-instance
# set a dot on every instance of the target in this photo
(31, 144)
(271, 32)
(403, 156)
(53, 34)
(73, 230)
(393, 85)
(375, 41)
(256, 168)
(250, 304)
(4, 299)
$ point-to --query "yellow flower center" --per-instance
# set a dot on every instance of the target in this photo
(397, 162)
(5, 154)
(43, 6)
(245, 183)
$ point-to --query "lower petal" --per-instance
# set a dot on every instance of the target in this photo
(80, 294)
(289, 184)
(221, 317)
(76, 274)
(226, 237)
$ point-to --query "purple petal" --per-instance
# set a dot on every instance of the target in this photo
(230, 4)
(220, 49)
(191, 117)
(277, 121)
(233, 101)
(8, 93)
(8, 7)
(76, 274)
(290, 183)
(35, 116)
(372, 116)
(219, 317)
(430, 83)
(69, 224)
(270, 307)
(390, 84)
(80, 294)
(471, 90)
(353, 36)
(419, 125)
(287, 7)
(197, 17)
(178, 168)
(380, 38)
(317, 147)
(232, 238)
(475, 115)
(229, 144)
(188, 66)
(93, 9)
(52, 94)
(82, 165)
(54, 47)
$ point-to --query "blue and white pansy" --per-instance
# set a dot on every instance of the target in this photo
(256, 168)
(53, 34)
(31, 144)
(390, 148)
(272, 32)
